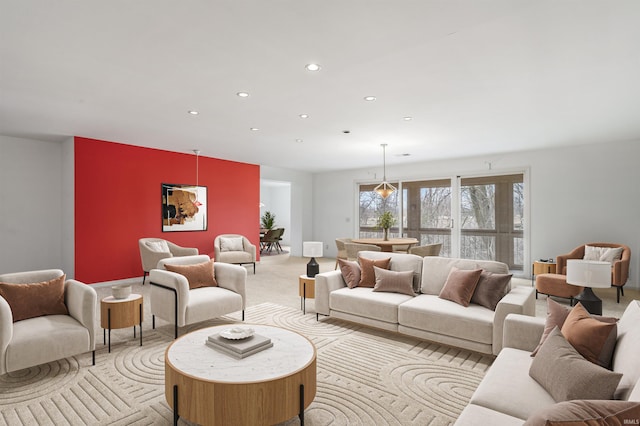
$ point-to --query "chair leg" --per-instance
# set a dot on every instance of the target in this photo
(254, 268)
(243, 315)
(144, 276)
(93, 357)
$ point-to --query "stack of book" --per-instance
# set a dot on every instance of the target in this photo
(240, 348)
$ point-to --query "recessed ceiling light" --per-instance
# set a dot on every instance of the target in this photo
(407, 118)
(312, 67)
(254, 129)
(304, 115)
(346, 131)
(299, 140)
(369, 98)
(192, 112)
(243, 94)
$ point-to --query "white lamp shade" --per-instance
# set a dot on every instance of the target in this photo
(588, 273)
(312, 249)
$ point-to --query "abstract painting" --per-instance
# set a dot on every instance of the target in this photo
(184, 207)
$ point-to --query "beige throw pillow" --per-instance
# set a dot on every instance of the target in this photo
(198, 275)
(602, 254)
(566, 375)
(158, 246)
(231, 244)
(394, 281)
(460, 285)
(36, 299)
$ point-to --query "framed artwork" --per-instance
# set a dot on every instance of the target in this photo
(184, 207)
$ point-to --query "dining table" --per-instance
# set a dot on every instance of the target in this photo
(387, 245)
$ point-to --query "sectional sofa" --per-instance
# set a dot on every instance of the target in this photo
(509, 396)
(424, 315)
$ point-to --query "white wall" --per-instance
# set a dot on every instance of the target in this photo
(577, 195)
(301, 211)
(31, 206)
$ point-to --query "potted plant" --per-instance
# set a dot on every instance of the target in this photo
(268, 220)
(386, 221)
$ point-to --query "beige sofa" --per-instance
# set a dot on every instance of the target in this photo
(509, 396)
(426, 315)
(49, 337)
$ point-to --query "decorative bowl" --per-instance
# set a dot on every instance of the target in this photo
(237, 333)
(121, 291)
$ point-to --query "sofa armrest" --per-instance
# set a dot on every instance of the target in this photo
(82, 301)
(522, 332)
(6, 332)
(176, 250)
(520, 300)
(327, 282)
(162, 300)
(233, 278)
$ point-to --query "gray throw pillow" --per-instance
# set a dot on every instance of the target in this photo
(566, 375)
(490, 289)
(394, 281)
(587, 412)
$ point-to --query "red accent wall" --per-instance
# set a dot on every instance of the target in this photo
(118, 201)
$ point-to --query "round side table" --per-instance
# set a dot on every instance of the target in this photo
(121, 313)
(306, 289)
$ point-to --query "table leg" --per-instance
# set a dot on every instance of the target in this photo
(301, 415)
(304, 298)
(176, 416)
(140, 324)
(109, 325)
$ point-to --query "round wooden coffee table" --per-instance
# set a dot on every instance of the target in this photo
(208, 387)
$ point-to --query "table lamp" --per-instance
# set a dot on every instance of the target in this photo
(589, 274)
(312, 249)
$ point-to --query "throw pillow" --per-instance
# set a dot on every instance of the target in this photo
(490, 289)
(35, 300)
(231, 244)
(587, 413)
(460, 285)
(350, 272)
(198, 275)
(393, 281)
(367, 274)
(602, 254)
(588, 335)
(158, 246)
(566, 375)
(556, 316)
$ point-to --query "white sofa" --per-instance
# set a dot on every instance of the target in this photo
(508, 396)
(426, 315)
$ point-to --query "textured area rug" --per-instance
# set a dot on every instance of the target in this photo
(365, 377)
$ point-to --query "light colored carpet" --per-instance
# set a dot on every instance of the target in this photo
(365, 376)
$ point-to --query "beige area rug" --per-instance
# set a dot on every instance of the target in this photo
(365, 377)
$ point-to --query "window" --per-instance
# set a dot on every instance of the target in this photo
(372, 205)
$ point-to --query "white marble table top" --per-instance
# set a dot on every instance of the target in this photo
(192, 356)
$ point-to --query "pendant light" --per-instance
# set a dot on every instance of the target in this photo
(197, 152)
(385, 188)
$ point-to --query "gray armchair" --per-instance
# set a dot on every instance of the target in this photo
(228, 249)
(151, 254)
(42, 339)
(172, 300)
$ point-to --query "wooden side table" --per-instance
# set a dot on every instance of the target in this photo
(306, 289)
(542, 268)
(121, 313)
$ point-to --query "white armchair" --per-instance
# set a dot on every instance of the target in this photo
(152, 250)
(42, 339)
(234, 248)
(173, 301)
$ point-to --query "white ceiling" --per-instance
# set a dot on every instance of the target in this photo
(477, 76)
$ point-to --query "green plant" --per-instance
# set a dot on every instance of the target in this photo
(268, 220)
(386, 220)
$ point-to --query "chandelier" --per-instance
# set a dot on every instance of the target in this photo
(385, 188)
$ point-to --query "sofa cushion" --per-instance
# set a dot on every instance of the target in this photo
(364, 302)
(476, 415)
(490, 289)
(231, 244)
(625, 355)
(508, 388)
(367, 274)
(460, 285)
(394, 282)
(435, 271)
(35, 299)
(350, 272)
(198, 275)
(428, 312)
(586, 412)
(590, 336)
(566, 375)
(556, 316)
